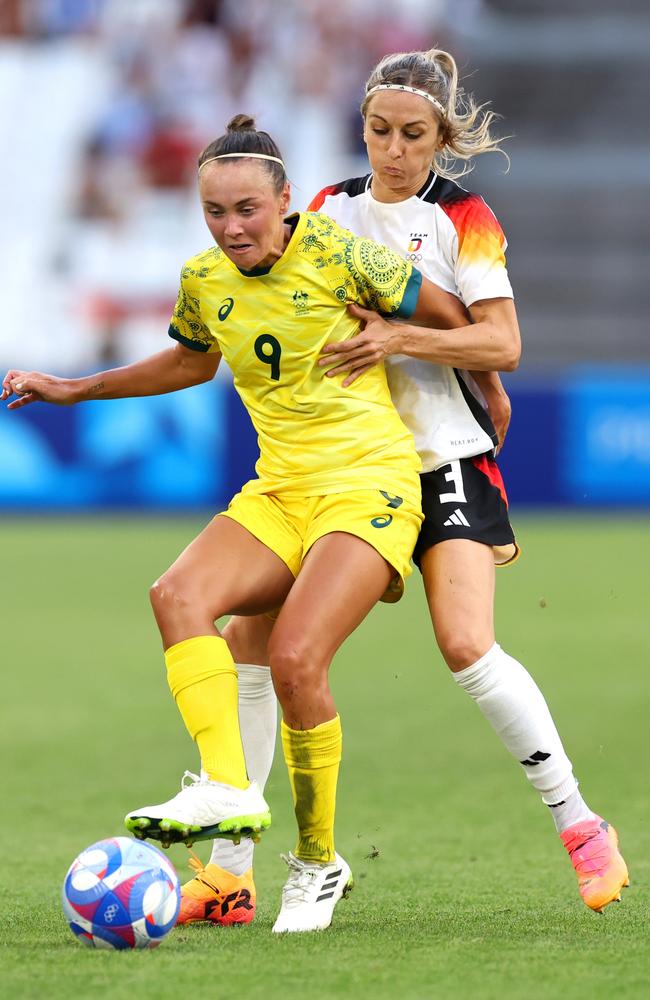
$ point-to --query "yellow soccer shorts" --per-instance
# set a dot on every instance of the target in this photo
(290, 525)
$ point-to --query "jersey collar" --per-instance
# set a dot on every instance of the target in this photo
(422, 193)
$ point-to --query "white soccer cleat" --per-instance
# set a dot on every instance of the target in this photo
(203, 809)
(310, 894)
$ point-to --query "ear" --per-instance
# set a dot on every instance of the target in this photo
(285, 198)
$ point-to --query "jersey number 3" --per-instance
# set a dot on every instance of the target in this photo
(268, 350)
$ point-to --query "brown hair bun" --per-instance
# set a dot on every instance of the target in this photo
(241, 123)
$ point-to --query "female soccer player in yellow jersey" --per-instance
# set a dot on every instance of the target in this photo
(419, 128)
(325, 530)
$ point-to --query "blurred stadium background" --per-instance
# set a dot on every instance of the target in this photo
(104, 105)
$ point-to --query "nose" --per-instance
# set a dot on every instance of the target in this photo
(395, 147)
(233, 226)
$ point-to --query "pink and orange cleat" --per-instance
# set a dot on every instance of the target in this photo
(602, 873)
(216, 896)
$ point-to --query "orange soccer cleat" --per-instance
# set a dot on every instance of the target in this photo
(217, 896)
(602, 873)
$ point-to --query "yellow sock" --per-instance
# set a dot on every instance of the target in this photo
(202, 677)
(313, 757)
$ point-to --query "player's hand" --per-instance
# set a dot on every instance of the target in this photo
(372, 345)
(33, 387)
(500, 411)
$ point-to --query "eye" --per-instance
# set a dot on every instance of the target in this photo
(380, 131)
(215, 213)
(413, 135)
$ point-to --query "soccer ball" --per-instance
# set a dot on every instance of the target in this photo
(121, 893)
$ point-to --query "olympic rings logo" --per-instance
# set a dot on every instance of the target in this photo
(109, 913)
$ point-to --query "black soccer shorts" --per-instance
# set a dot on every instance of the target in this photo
(466, 499)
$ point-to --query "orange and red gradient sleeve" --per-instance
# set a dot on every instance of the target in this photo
(481, 241)
(318, 200)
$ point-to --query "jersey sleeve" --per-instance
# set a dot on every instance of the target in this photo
(478, 250)
(317, 202)
(187, 326)
(382, 279)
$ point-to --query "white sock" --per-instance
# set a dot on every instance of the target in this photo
(258, 721)
(573, 810)
(515, 708)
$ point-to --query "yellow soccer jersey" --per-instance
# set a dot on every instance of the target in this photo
(315, 437)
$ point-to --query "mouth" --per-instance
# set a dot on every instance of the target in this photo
(240, 248)
(393, 171)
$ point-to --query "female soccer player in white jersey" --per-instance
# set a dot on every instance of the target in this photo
(325, 529)
(418, 127)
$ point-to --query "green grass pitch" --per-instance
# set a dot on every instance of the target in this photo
(462, 888)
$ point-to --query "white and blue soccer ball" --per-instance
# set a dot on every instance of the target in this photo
(121, 893)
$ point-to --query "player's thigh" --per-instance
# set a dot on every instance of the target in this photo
(341, 579)
(226, 569)
(458, 577)
(248, 637)
(466, 499)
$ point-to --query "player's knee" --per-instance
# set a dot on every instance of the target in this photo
(288, 661)
(461, 648)
(295, 672)
(169, 598)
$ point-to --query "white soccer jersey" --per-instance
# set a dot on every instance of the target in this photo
(454, 239)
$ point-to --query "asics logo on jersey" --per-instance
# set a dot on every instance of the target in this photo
(225, 309)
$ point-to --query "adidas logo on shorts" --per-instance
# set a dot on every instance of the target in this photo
(457, 518)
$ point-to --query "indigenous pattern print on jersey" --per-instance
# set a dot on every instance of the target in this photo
(270, 324)
(454, 239)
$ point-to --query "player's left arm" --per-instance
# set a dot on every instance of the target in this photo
(491, 343)
(497, 402)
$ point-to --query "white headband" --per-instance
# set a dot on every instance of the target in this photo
(256, 156)
(409, 90)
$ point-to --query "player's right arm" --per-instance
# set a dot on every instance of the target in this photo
(176, 368)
